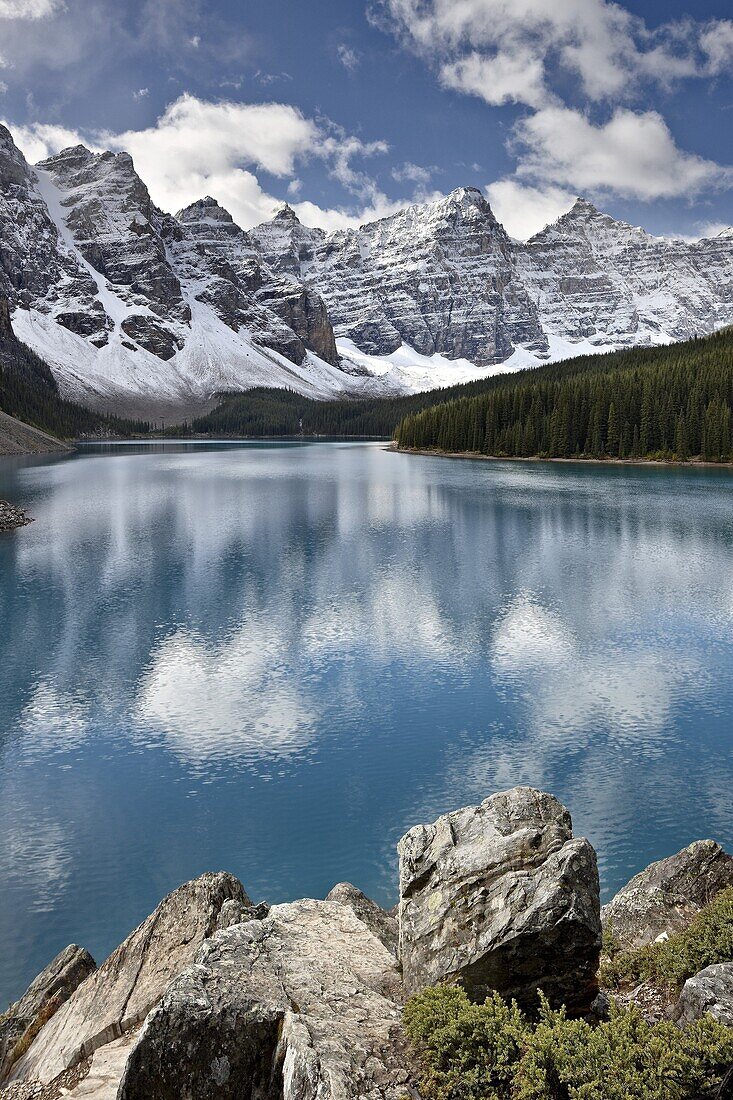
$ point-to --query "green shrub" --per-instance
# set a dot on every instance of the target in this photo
(493, 1052)
(708, 939)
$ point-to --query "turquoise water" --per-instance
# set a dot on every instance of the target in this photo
(275, 658)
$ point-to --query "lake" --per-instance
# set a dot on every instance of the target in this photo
(274, 658)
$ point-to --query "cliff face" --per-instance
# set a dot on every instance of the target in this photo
(440, 277)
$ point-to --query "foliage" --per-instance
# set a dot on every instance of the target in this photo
(28, 391)
(493, 1052)
(666, 402)
(267, 412)
(708, 939)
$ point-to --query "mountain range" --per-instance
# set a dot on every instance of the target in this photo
(131, 305)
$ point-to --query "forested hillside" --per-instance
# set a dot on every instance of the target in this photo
(672, 402)
(268, 412)
(28, 391)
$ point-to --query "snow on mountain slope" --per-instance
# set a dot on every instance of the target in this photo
(127, 302)
(596, 278)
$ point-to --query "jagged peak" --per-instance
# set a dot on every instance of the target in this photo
(584, 207)
(467, 197)
(285, 213)
(207, 207)
(73, 154)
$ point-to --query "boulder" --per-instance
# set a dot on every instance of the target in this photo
(44, 996)
(501, 897)
(666, 896)
(304, 1004)
(117, 996)
(709, 991)
(377, 920)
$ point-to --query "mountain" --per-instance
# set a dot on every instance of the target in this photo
(139, 310)
(441, 278)
(31, 405)
(596, 278)
(130, 305)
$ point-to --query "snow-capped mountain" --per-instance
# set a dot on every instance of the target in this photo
(128, 303)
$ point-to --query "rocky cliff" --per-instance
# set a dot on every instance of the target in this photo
(212, 997)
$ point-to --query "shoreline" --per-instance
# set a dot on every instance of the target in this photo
(691, 464)
(12, 517)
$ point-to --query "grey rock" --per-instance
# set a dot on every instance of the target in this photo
(709, 991)
(118, 995)
(44, 996)
(304, 1004)
(280, 312)
(234, 911)
(377, 920)
(597, 278)
(500, 896)
(440, 277)
(665, 897)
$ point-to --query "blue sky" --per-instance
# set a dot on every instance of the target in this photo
(349, 109)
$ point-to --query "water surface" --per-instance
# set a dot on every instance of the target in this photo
(275, 658)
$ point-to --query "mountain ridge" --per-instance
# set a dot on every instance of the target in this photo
(127, 302)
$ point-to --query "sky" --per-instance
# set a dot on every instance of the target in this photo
(351, 109)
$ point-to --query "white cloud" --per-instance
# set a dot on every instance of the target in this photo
(29, 9)
(41, 140)
(413, 173)
(716, 43)
(523, 209)
(480, 45)
(141, 93)
(504, 78)
(3, 85)
(198, 147)
(632, 154)
(348, 57)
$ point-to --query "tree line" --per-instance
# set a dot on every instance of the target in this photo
(671, 402)
(28, 391)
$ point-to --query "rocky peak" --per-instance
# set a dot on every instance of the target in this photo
(207, 208)
(285, 213)
(13, 167)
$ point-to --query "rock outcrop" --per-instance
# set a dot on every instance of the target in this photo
(500, 896)
(303, 1005)
(709, 991)
(122, 991)
(378, 920)
(213, 998)
(43, 998)
(665, 897)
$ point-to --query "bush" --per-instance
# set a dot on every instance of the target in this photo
(708, 939)
(493, 1052)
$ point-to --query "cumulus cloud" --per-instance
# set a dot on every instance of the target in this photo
(523, 209)
(199, 147)
(481, 42)
(532, 52)
(632, 154)
(504, 78)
